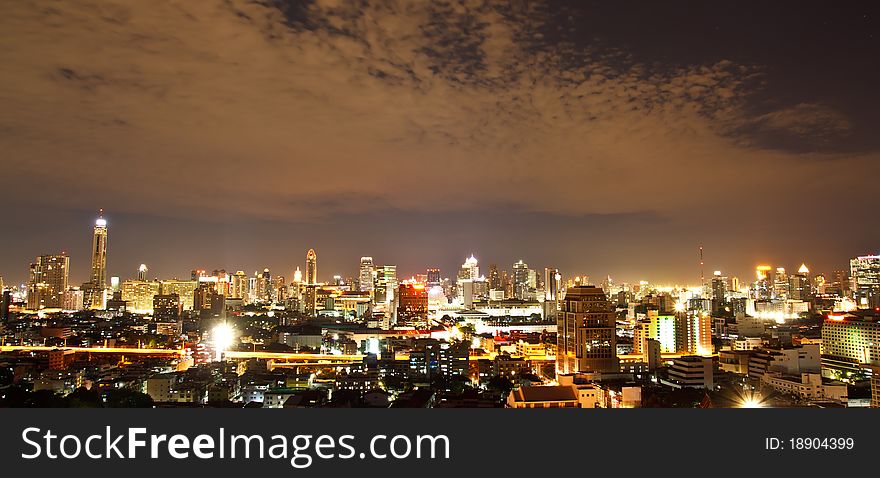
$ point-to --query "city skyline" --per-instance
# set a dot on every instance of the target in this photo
(589, 137)
(353, 271)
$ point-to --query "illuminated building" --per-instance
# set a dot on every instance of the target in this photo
(552, 281)
(167, 308)
(698, 334)
(850, 342)
(208, 303)
(138, 295)
(763, 287)
(73, 299)
(366, 275)
(264, 286)
(386, 284)
(185, 289)
(412, 305)
(310, 292)
(433, 279)
(780, 284)
(690, 371)
(719, 291)
(470, 269)
(654, 326)
(520, 280)
(800, 285)
(142, 272)
(586, 332)
(95, 289)
(466, 292)
(557, 396)
(279, 289)
(238, 286)
(786, 360)
(552, 292)
(311, 267)
(865, 273)
(48, 281)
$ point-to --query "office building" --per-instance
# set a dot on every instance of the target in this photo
(48, 281)
(366, 280)
(865, 273)
(412, 305)
(166, 308)
(850, 342)
(586, 332)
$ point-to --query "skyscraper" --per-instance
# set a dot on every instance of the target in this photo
(365, 276)
(552, 280)
(238, 287)
(586, 333)
(99, 253)
(310, 289)
(470, 269)
(520, 279)
(95, 289)
(48, 281)
(433, 279)
(800, 284)
(412, 305)
(865, 272)
(311, 267)
(386, 284)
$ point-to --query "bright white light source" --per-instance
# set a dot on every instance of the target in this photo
(751, 402)
(223, 336)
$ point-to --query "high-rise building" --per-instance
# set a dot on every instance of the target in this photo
(5, 304)
(763, 287)
(238, 285)
(279, 289)
(850, 342)
(800, 284)
(166, 308)
(586, 332)
(48, 281)
(780, 284)
(73, 299)
(470, 269)
(495, 278)
(552, 283)
(95, 290)
(185, 290)
(208, 303)
(433, 277)
(142, 272)
(865, 273)
(366, 275)
(719, 291)
(412, 305)
(386, 284)
(139, 294)
(99, 252)
(311, 267)
(520, 280)
(310, 288)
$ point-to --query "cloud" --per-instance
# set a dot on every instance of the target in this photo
(304, 110)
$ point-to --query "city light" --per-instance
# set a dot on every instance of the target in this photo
(223, 336)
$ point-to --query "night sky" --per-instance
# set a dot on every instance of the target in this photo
(596, 137)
